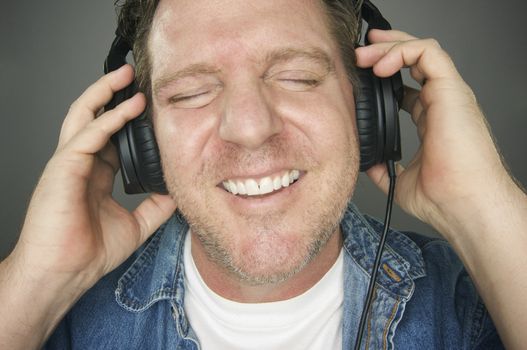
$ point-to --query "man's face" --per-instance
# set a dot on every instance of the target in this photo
(248, 96)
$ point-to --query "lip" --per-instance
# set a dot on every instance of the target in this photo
(280, 199)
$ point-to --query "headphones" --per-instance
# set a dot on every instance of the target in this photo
(377, 107)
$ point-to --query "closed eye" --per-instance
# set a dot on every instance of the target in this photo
(296, 80)
(179, 98)
(195, 99)
(307, 82)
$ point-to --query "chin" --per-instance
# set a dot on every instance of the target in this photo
(270, 246)
(271, 237)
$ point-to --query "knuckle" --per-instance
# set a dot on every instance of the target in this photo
(119, 113)
(79, 108)
(98, 129)
(74, 106)
(106, 84)
(432, 42)
(125, 110)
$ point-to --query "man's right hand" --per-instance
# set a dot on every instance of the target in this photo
(75, 232)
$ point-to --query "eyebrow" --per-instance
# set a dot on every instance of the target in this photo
(314, 54)
(189, 71)
(282, 55)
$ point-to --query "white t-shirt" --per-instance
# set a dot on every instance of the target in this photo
(312, 320)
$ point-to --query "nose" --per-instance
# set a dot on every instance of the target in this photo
(249, 119)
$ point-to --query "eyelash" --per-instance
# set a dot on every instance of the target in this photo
(309, 82)
(306, 83)
(176, 99)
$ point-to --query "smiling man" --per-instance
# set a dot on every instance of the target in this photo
(270, 155)
(253, 108)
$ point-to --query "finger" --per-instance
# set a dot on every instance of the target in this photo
(378, 174)
(414, 107)
(101, 180)
(152, 212)
(109, 156)
(90, 103)
(378, 35)
(96, 134)
(389, 38)
(411, 103)
(417, 75)
(368, 56)
(104, 170)
(425, 56)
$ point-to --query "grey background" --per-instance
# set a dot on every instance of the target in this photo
(50, 51)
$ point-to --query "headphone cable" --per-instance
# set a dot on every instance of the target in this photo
(390, 165)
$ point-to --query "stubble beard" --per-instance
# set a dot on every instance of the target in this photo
(272, 257)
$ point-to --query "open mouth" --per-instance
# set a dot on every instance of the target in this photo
(265, 185)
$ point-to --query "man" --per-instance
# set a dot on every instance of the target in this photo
(264, 96)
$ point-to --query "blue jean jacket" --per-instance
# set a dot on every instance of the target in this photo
(424, 298)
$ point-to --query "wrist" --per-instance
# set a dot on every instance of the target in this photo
(24, 322)
(491, 240)
(489, 214)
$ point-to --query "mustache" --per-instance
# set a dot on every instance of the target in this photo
(232, 158)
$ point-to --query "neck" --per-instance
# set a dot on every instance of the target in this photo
(223, 283)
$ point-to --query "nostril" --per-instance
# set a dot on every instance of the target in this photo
(248, 120)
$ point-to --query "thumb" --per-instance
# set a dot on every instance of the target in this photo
(153, 212)
(378, 174)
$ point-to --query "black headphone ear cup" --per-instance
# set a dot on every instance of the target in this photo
(146, 151)
(370, 125)
(135, 142)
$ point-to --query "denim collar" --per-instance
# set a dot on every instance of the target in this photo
(401, 261)
(157, 273)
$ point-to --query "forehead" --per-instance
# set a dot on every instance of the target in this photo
(189, 31)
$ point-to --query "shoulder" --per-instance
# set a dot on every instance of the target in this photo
(126, 304)
(447, 300)
(444, 308)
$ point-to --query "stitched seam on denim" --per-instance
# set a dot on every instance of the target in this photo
(184, 334)
(137, 307)
(359, 263)
(139, 265)
(401, 261)
(388, 323)
(369, 231)
(370, 314)
(134, 272)
(182, 232)
(131, 275)
(175, 315)
(179, 275)
(439, 242)
(397, 237)
(354, 214)
(405, 281)
(479, 321)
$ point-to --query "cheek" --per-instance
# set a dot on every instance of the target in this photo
(184, 141)
(326, 121)
(184, 135)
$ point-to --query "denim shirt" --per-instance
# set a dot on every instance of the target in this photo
(424, 298)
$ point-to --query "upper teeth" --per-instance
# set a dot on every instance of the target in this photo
(268, 184)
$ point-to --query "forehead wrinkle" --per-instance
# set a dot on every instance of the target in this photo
(314, 54)
(188, 71)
